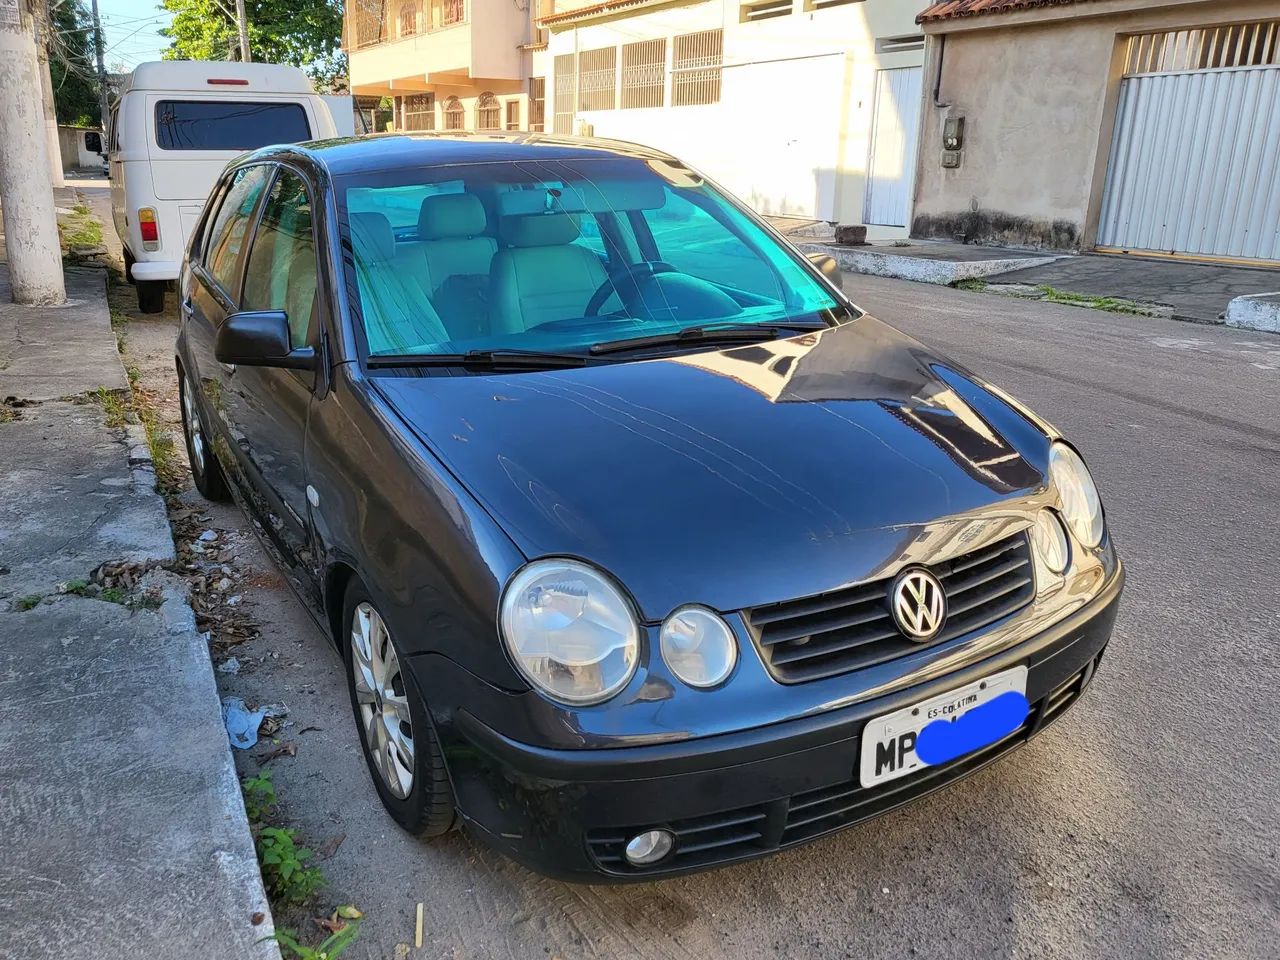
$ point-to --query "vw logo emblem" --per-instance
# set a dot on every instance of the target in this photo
(918, 603)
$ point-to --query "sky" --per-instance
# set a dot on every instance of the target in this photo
(130, 29)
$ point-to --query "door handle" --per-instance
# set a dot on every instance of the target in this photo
(188, 308)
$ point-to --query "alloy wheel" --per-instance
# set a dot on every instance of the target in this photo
(191, 420)
(382, 699)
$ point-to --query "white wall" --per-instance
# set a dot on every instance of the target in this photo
(790, 133)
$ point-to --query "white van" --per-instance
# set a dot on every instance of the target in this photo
(175, 126)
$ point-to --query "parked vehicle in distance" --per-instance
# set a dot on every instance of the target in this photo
(174, 128)
(645, 548)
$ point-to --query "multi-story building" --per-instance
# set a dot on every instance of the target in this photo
(804, 108)
(446, 64)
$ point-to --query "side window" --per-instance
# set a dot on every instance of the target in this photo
(696, 243)
(227, 233)
(282, 261)
(115, 127)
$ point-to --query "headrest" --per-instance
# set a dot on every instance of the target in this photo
(539, 230)
(371, 234)
(448, 216)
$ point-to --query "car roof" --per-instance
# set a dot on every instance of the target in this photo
(203, 76)
(378, 152)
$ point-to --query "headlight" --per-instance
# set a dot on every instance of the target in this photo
(698, 646)
(1081, 507)
(570, 631)
(1050, 541)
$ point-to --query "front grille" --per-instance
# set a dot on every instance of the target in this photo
(737, 834)
(699, 841)
(852, 628)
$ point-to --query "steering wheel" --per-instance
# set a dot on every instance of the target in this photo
(633, 274)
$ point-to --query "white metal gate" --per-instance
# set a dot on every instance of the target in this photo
(894, 131)
(1194, 166)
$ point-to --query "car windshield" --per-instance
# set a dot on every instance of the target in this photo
(560, 256)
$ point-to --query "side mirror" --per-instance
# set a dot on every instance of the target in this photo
(829, 266)
(260, 338)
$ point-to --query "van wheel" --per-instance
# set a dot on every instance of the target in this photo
(151, 296)
(128, 266)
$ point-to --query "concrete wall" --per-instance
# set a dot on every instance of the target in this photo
(1038, 93)
(790, 134)
(74, 153)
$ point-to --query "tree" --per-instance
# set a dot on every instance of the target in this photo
(304, 33)
(71, 64)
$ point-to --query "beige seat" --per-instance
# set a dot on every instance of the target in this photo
(456, 256)
(541, 274)
(395, 302)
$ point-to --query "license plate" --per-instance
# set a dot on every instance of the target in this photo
(888, 742)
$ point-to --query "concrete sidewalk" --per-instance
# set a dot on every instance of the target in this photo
(121, 822)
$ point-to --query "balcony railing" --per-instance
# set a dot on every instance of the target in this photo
(370, 22)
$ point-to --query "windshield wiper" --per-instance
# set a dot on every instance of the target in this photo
(738, 332)
(525, 359)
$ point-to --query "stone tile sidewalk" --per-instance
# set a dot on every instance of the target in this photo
(121, 822)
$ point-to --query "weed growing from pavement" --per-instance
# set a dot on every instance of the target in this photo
(80, 228)
(331, 947)
(287, 878)
(259, 795)
(1113, 304)
(113, 405)
(23, 604)
(977, 286)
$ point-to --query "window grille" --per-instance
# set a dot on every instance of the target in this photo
(644, 73)
(368, 22)
(455, 116)
(537, 102)
(409, 18)
(418, 111)
(1175, 51)
(565, 91)
(597, 78)
(764, 10)
(695, 68)
(488, 112)
(445, 13)
(513, 114)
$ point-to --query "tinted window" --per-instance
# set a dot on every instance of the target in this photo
(227, 233)
(282, 262)
(223, 125)
(93, 141)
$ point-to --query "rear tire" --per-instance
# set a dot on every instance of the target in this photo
(128, 266)
(151, 296)
(414, 789)
(205, 469)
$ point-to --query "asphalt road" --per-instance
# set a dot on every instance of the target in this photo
(1144, 824)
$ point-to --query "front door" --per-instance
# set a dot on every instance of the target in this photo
(891, 172)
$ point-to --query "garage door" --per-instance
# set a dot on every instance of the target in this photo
(1194, 167)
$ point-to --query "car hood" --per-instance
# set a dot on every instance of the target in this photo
(734, 477)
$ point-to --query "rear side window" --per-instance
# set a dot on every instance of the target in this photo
(227, 233)
(228, 125)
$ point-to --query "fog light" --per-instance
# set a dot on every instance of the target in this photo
(649, 847)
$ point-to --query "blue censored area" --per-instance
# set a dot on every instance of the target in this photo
(945, 740)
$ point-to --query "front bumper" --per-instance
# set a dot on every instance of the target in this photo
(733, 797)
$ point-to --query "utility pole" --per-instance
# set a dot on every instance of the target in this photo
(242, 22)
(43, 31)
(30, 225)
(104, 95)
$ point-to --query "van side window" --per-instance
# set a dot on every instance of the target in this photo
(282, 261)
(226, 235)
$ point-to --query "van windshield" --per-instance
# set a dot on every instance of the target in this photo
(562, 255)
(228, 125)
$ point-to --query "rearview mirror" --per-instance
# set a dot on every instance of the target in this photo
(260, 338)
(829, 266)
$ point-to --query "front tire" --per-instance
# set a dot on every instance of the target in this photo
(150, 296)
(205, 469)
(399, 741)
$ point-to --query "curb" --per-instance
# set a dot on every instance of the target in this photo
(1259, 311)
(875, 261)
